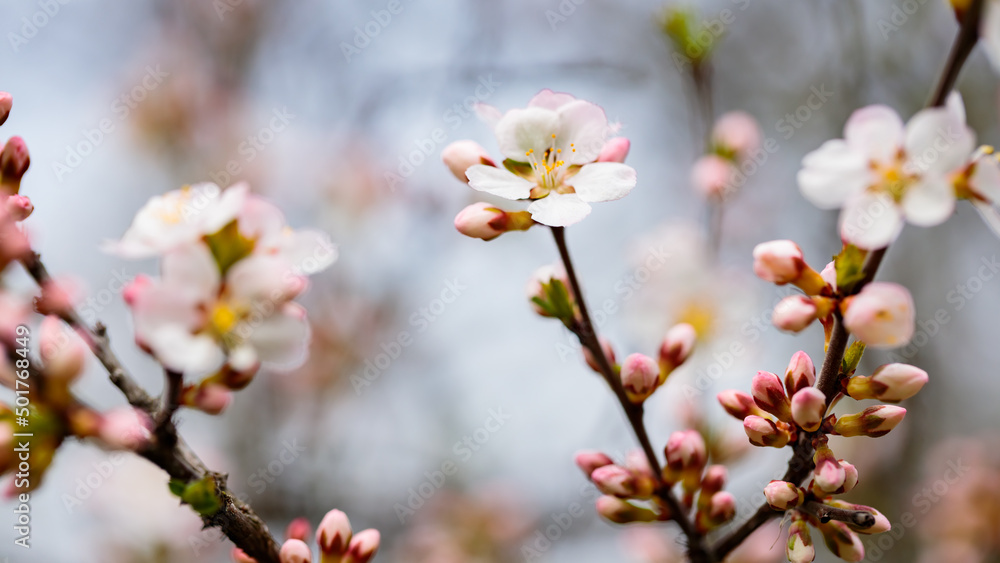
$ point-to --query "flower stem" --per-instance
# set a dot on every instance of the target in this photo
(587, 335)
(801, 462)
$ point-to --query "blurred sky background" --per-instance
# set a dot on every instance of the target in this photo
(211, 81)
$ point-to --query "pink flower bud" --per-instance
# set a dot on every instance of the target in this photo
(14, 162)
(738, 403)
(298, 529)
(850, 477)
(890, 383)
(829, 274)
(686, 450)
(800, 373)
(210, 398)
(589, 460)
(676, 348)
(295, 551)
(778, 261)
(645, 479)
(872, 422)
(799, 548)
(543, 276)
(640, 377)
(125, 428)
(714, 479)
(461, 155)
(609, 353)
(828, 475)
(736, 132)
(723, 508)
(769, 394)
(363, 546)
(782, 495)
(482, 221)
(808, 408)
(19, 207)
(614, 150)
(239, 556)
(881, 522)
(6, 102)
(334, 533)
(794, 313)
(713, 176)
(842, 541)
(881, 316)
(59, 296)
(764, 432)
(614, 480)
(62, 350)
(618, 511)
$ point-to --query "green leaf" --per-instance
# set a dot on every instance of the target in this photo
(852, 357)
(177, 487)
(201, 496)
(849, 265)
(229, 246)
(559, 299)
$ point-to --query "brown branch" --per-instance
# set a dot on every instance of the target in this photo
(587, 335)
(167, 450)
(801, 462)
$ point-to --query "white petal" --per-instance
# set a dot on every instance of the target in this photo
(832, 173)
(876, 131)
(498, 181)
(488, 114)
(990, 32)
(870, 221)
(583, 130)
(182, 351)
(937, 141)
(986, 178)
(990, 215)
(261, 220)
(523, 130)
(219, 213)
(603, 181)
(550, 100)
(929, 202)
(191, 268)
(260, 278)
(283, 339)
(559, 210)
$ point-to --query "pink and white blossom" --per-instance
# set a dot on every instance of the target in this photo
(552, 149)
(882, 315)
(884, 173)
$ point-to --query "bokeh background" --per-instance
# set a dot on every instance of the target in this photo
(192, 88)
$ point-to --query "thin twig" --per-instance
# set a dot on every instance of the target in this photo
(801, 462)
(167, 450)
(588, 338)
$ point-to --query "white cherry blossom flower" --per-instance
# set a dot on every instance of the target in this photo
(552, 149)
(884, 173)
(177, 218)
(193, 319)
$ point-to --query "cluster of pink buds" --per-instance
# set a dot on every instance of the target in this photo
(881, 315)
(631, 490)
(337, 543)
(14, 208)
(781, 413)
(735, 137)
